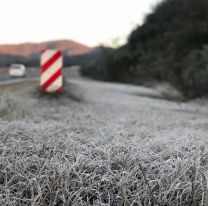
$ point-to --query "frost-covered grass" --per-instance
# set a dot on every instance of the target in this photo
(14, 107)
(113, 148)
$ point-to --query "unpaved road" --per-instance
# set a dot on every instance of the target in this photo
(99, 144)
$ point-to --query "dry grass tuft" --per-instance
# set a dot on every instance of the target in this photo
(169, 92)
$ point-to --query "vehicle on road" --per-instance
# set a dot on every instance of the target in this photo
(17, 70)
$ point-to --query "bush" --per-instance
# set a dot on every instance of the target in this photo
(195, 77)
(168, 47)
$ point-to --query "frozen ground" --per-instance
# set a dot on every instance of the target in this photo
(120, 145)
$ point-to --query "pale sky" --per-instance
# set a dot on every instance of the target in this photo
(91, 22)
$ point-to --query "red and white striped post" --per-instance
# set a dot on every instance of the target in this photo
(51, 79)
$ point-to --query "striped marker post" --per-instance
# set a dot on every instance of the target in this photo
(51, 79)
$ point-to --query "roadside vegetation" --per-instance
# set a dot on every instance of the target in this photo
(170, 46)
(115, 148)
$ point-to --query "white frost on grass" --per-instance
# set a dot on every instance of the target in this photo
(113, 148)
(14, 107)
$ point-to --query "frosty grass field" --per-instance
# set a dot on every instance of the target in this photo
(116, 146)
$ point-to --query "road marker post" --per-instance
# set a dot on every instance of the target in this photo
(51, 78)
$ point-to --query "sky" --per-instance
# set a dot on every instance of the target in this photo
(92, 22)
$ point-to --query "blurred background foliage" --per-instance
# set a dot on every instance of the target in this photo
(171, 45)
